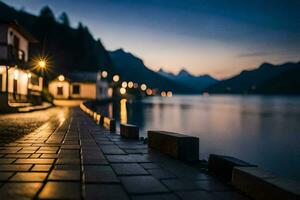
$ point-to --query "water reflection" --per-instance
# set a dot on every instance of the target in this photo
(261, 130)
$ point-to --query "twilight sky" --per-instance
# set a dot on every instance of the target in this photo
(218, 37)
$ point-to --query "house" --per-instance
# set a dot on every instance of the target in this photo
(79, 86)
(19, 86)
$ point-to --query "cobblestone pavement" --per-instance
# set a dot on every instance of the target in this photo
(70, 157)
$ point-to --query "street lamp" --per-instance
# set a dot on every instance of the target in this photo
(42, 64)
(116, 78)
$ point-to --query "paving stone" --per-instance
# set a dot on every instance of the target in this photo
(41, 168)
(64, 175)
(35, 155)
(142, 185)
(67, 167)
(161, 174)
(214, 186)
(6, 160)
(150, 166)
(63, 161)
(34, 161)
(4, 176)
(111, 149)
(17, 155)
(99, 174)
(18, 191)
(229, 196)
(180, 185)
(155, 197)
(101, 191)
(61, 190)
(29, 177)
(195, 195)
(129, 169)
(127, 158)
(13, 167)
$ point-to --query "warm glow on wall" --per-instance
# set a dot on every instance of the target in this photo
(143, 87)
(29, 75)
(116, 78)
(16, 74)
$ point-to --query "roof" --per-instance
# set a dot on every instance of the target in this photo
(15, 25)
(82, 77)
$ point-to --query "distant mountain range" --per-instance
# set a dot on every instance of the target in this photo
(132, 68)
(266, 79)
(198, 83)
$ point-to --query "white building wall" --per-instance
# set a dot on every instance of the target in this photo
(53, 85)
(23, 42)
(87, 91)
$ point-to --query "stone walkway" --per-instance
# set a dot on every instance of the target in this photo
(70, 157)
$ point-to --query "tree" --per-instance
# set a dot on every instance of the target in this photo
(47, 13)
(64, 19)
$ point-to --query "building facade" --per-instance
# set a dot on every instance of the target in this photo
(19, 86)
(79, 86)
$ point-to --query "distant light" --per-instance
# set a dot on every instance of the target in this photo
(122, 90)
(143, 87)
(104, 74)
(163, 94)
(29, 75)
(169, 94)
(61, 78)
(116, 78)
(16, 74)
(149, 92)
(135, 85)
(124, 84)
(130, 84)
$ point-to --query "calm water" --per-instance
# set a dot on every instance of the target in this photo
(261, 130)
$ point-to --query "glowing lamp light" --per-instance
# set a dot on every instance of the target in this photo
(104, 74)
(135, 85)
(163, 94)
(143, 87)
(61, 78)
(169, 94)
(116, 78)
(122, 91)
(130, 84)
(29, 75)
(124, 84)
(42, 63)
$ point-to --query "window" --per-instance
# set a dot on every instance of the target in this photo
(76, 89)
(60, 90)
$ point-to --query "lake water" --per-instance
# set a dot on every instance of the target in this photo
(258, 129)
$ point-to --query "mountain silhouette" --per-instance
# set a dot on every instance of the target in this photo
(266, 79)
(198, 83)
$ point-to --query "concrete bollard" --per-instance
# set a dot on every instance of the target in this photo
(129, 131)
(261, 185)
(179, 146)
(222, 166)
(109, 124)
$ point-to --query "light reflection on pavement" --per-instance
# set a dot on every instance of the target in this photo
(16, 125)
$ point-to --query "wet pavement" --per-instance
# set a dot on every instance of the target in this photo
(16, 125)
(70, 157)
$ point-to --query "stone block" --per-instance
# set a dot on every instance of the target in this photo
(109, 124)
(129, 131)
(222, 166)
(179, 146)
(260, 184)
